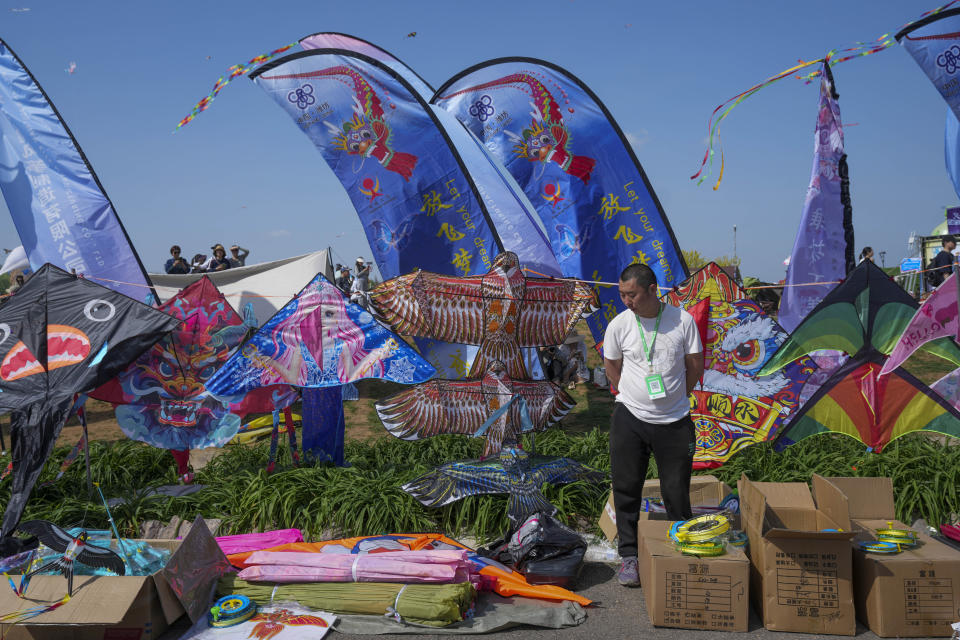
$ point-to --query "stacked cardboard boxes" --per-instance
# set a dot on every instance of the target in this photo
(915, 593)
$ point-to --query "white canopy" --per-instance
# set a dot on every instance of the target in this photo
(16, 259)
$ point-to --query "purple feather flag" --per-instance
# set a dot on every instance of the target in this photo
(823, 250)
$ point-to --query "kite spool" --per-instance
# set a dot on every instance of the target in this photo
(702, 528)
(737, 538)
(880, 547)
(231, 610)
(903, 538)
(709, 549)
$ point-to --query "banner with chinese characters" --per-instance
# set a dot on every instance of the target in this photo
(56, 201)
(404, 177)
(511, 213)
(565, 150)
(823, 250)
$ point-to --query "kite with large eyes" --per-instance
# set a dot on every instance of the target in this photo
(748, 354)
(99, 310)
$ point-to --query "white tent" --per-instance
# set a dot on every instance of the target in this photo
(16, 259)
(268, 286)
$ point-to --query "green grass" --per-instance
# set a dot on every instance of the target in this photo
(366, 499)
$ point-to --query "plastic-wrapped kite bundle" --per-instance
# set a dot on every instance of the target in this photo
(433, 605)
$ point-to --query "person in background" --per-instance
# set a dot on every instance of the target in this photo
(220, 261)
(362, 280)
(942, 264)
(176, 264)
(238, 256)
(197, 264)
(18, 282)
(866, 254)
(653, 358)
(343, 279)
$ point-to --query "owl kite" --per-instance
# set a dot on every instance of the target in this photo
(466, 406)
(515, 472)
(502, 311)
(733, 406)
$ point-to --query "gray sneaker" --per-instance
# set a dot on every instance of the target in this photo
(629, 574)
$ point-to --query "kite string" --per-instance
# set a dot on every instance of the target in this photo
(832, 58)
(235, 71)
(601, 283)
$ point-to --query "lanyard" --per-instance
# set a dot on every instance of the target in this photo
(649, 351)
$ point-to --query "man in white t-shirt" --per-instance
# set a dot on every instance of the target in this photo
(652, 355)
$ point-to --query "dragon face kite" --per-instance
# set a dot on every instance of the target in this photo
(467, 406)
(734, 407)
(863, 317)
(163, 396)
(60, 335)
(502, 311)
(515, 472)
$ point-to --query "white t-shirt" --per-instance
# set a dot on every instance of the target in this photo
(676, 338)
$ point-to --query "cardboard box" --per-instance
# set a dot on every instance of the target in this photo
(102, 607)
(915, 593)
(123, 607)
(690, 592)
(801, 575)
(704, 491)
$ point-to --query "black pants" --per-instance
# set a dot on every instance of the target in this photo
(631, 443)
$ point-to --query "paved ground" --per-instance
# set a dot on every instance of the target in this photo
(621, 615)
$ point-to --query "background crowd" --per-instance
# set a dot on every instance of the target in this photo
(218, 261)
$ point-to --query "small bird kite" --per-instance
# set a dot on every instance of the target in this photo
(515, 472)
(74, 549)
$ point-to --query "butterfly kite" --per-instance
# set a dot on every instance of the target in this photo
(317, 340)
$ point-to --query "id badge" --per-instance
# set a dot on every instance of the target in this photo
(655, 388)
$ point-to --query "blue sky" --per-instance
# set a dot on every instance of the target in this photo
(242, 172)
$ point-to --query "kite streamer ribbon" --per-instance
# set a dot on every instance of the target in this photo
(235, 71)
(832, 58)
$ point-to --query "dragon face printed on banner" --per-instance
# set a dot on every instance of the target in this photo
(162, 396)
(733, 407)
(547, 139)
(366, 133)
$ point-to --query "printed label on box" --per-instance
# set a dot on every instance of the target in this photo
(928, 599)
(807, 581)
